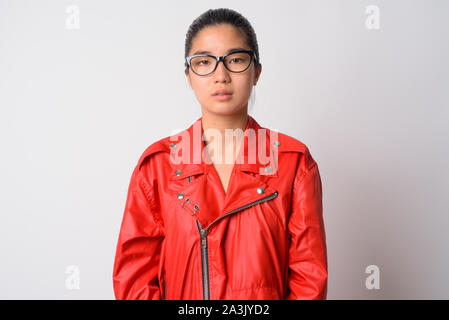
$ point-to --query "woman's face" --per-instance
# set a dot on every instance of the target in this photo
(218, 40)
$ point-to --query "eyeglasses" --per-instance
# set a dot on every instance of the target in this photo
(236, 61)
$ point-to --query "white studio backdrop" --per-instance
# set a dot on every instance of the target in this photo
(86, 86)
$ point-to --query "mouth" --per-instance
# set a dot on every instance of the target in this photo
(222, 93)
(222, 96)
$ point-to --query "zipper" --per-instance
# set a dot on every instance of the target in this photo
(204, 261)
(203, 237)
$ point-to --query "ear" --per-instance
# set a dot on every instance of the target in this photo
(258, 70)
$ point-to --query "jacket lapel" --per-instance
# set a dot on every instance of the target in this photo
(255, 168)
(254, 171)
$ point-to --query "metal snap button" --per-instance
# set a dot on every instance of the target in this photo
(268, 169)
(277, 143)
(178, 172)
(180, 195)
(260, 190)
(172, 145)
(196, 207)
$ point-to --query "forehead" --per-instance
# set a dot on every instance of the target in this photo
(218, 40)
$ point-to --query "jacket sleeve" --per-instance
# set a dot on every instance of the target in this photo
(138, 252)
(307, 266)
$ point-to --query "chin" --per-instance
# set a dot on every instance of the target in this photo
(224, 110)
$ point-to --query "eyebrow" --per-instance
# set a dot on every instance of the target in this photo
(208, 52)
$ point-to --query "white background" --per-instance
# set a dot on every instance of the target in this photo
(78, 108)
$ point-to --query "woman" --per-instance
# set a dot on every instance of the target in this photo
(233, 216)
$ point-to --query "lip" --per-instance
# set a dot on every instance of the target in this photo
(223, 92)
(222, 97)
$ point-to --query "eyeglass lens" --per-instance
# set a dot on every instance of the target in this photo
(236, 62)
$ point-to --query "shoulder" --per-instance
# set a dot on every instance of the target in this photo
(288, 144)
(160, 146)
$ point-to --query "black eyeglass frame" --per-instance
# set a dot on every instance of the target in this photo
(218, 59)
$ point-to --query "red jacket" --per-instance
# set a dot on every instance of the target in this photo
(182, 237)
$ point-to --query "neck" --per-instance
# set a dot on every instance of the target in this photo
(220, 123)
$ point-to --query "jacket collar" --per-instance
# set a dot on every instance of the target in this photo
(258, 153)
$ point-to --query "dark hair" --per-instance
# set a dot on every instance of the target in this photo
(213, 17)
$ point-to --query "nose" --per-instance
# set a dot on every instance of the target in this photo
(221, 73)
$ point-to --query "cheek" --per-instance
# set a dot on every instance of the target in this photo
(244, 86)
(200, 88)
